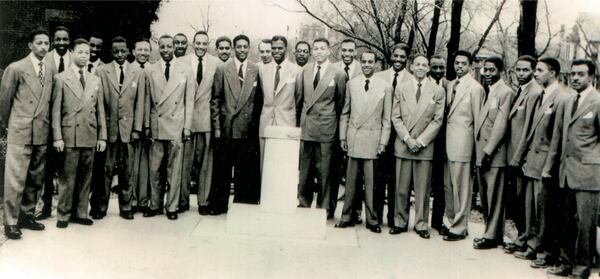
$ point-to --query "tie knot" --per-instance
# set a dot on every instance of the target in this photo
(142, 66)
(419, 84)
(120, 67)
(168, 64)
(41, 63)
(200, 58)
(346, 68)
(80, 71)
(278, 67)
(318, 67)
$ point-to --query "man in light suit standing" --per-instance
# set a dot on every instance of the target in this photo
(196, 155)
(323, 88)
(417, 116)
(463, 102)
(348, 64)
(364, 131)
(24, 110)
(79, 130)
(578, 134)
(168, 120)
(264, 51)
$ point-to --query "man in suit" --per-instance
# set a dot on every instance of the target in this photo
(348, 64)
(515, 195)
(323, 88)
(124, 91)
(417, 116)
(196, 157)
(491, 126)
(364, 131)
(385, 178)
(539, 169)
(302, 53)
(463, 101)
(235, 108)
(95, 52)
(24, 96)
(278, 82)
(170, 85)
(180, 43)
(577, 135)
(223, 45)
(79, 130)
(59, 59)
(264, 51)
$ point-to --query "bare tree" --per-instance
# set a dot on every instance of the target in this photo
(487, 30)
(454, 42)
(435, 22)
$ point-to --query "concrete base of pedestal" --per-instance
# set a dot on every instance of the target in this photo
(250, 219)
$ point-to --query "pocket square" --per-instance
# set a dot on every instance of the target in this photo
(548, 111)
(332, 83)
(588, 115)
(493, 104)
(291, 80)
(134, 84)
(520, 107)
(254, 84)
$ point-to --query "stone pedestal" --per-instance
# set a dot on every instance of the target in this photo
(278, 214)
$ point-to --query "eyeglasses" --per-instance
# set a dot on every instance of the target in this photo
(437, 67)
(224, 48)
(305, 51)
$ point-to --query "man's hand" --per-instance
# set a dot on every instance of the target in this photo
(101, 146)
(380, 149)
(344, 145)
(486, 163)
(59, 145)
(217, 134)
(513, 163)
(546, 176)
(187, 134)
(135, 136)
(148, 133)
(413, 145)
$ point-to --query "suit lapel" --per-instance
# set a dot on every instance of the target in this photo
(460, 94)
(248, 86)
(426, 95)
(545, 106)
(112, 76)
(283, 77)
(32, 79)
(232, 78)
(583, 107)
(520, 99)
(130, 73)
(207, 78)
(269, 71)
(407, 97)
(172, 84)
(486, 109)
(73, 82)
(367, 100)
(323, 84)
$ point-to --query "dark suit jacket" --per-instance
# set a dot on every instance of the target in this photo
(516, 117)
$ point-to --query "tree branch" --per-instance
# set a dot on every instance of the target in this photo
(487, 30)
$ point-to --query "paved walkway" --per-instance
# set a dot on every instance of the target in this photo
(197, 247)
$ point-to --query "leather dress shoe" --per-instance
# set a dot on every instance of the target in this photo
(183, 208)
(343, 225)
(172, 215)
(82, 221)
(45, 214)
(62, 224)
(529, 254)
(486, 243)
(453, 237)
(356, 220)
(397, 230)
(150, 213)
(580, 274)
(423, 233)
(543, 262)
(510, 248)
(329, 214)
(143, 209)
(30, 224)
(203, 210)
(215, 212)
(127, 215)
(561, 270)
(374, 228)
(97, 215)
(12, 232)
(441, 229)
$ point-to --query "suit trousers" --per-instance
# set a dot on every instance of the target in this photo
(23, 180)
(119, 157)
(540, 212)
(141, 165)
(514, 202)
(53, 163)
(318, 154)
(458, 188)
(409, 173)
(172, 152)
(367, 167)
(75, 179)
(385, 183)
(99, 196)
(437, 181)
(195, 167)
(491, 189)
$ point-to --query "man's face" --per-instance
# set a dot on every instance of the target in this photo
(438, 68)
(420, 67)
(81, 55)
(367, 63)
(461, 65)
(490, 73)
(61, 41)
(264, 51)
(241, 49)
(321, 51)
(224, 50)
(40, 45)
(399, 59)
(542, 74)
(523, 71)
(302, 54)
(142, 52)
(278, 50)
(200, 44)
(348, 50)
(165, 48)
(119, 52)
(95, 48)
(580, 79)
(180, 44)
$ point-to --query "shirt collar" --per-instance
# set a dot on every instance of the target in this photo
(117, 66)
(527, 85)
(464, 78)
(495, 85)
(238, 63)
(35, 62)
(76, 69)
(323, 66)
(163, 63)
(584, 93)
(551, 87)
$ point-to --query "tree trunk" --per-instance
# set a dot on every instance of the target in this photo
(527, 26)
(454, 41)
(400, 21)
(435, 21)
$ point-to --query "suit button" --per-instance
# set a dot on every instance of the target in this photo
(31, 102)
(175, 102)
(568, 140)
(156, 103)
(536, 152)
(567, 156)
(159, 115)
(172, 114)
(77, 125)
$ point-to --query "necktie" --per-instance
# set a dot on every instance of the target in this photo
(454, 91)
(167, 68)
(41, 73)
(418, 95)
(241, 74)
(487, 92)
(276, 77)
(121, 76)
(366, 85)
(81, 79)
(347, 69)
(575, 104)
(317, 77)
(199, 71)
(61, 65)
(395, 81)
(90, 66)
(540, 101)
(142, 66)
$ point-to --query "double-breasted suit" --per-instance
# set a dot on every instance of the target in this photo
(168, 112)
(319, 112)
(25, 112)
(463, 102)
(78, 119)
(235, 108)
(364, 126)
(419, 120)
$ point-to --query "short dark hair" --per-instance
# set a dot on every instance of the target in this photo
(165, 37)
(528, 58)
(61, 28)
(465, 53)
(321, 39)
(552, 63)
(348, 40)
(497, 61)
(240, 37)
(119, 39)
(437, 56)
(302, 42)
(137, 40)
(266, 41)
(80, 41)
(420, 55)
(96, 35)
(37, 32)
(280, 38)
(222, 39)
(401, 46)
(201, 32)
(181, 34)
(368, 51)
(589, 63)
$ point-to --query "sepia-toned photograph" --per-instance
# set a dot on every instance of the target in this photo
(299, 139)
